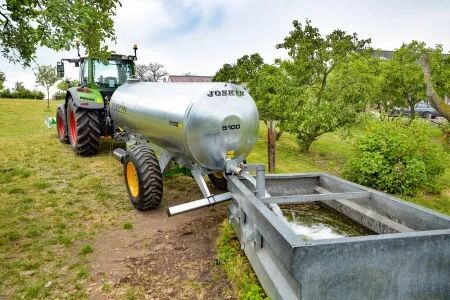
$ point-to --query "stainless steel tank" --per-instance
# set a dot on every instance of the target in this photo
(204, 123)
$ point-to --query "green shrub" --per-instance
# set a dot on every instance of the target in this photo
(397, 158)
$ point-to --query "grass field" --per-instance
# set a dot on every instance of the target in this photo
(53, 203)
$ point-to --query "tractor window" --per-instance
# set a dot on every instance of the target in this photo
(84, 73)
(111, 73)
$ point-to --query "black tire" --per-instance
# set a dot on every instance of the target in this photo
(150, 186)
(61, 125)
(218, 180)
(84, 129)
(395, 113)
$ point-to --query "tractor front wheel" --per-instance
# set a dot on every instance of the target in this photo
(61, 125)
(143, 178)
(84, 129)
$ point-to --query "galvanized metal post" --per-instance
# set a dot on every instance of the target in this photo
(260, 181)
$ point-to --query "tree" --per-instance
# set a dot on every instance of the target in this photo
(246, 72)
(321, 92)
(20, 92)
(267, 89)
(25, 25)
(380, 94)
(439, 83)
(46, 77)
(66, 83)
(240, 72)
(2, 80)
(440, 80)
(62, 86)
(152, 72)
(19, 89)
(404, 77)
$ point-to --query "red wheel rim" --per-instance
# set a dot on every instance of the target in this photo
(60, 126)
(73, 126)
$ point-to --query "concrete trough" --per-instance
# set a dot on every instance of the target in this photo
(407, 257)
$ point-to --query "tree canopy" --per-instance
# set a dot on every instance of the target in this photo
(436, 85)
(152, 72)
(404, 78)
(64, 84)
(240, 72)
(2, 79)
(440, 64)
(326, 81)
(55, 24)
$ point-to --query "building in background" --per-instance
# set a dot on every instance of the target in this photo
(189, 78)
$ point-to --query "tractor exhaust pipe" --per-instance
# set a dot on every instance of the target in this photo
(119, 154)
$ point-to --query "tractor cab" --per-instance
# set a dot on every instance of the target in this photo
(106, 75)
(103, 75)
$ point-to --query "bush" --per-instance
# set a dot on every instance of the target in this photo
(59, 95)
(397, 158)
(22, 93)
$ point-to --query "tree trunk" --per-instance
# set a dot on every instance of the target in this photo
(412, 109)
(48, 98)
(432, 96)
(304, 143)
(271, 145)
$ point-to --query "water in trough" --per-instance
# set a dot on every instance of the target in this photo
(314, 221)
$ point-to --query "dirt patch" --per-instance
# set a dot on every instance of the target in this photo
(161, 257)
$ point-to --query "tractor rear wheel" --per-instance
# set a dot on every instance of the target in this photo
(143, 178)
(218, 180)
(61, 125)
(84, 129)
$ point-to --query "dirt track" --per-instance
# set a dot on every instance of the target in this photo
(161, 257)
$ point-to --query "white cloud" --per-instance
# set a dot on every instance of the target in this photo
(199, 36)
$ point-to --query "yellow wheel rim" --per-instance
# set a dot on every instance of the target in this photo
(132, 179)
(218, 175)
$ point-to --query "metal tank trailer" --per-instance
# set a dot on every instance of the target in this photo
(210, 128)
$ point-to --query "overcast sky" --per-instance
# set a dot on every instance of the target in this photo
(199, 36)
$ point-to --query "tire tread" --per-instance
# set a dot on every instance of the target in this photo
(146, 163)
(88, 129)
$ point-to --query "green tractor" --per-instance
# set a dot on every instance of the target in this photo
(84, 117)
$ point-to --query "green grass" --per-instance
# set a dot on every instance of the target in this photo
(127, 226)
(52, 203)
(235, 264)
(86, 249)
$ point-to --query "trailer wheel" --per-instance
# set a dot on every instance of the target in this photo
(61, 125)
(143, 178)
(218, 180)
(84, 129)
